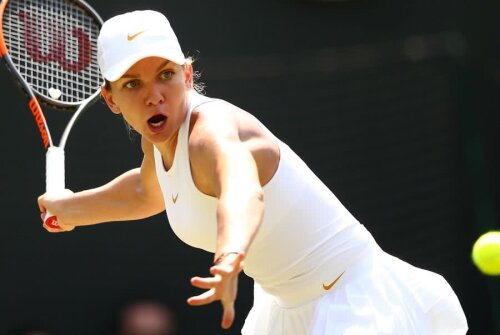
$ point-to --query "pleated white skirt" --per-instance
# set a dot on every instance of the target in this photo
(379, 295)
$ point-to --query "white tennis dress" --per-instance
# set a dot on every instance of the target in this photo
(306, 241)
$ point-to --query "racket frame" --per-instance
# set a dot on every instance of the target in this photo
(55, 155)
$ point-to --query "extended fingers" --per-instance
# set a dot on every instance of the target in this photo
(205, 283)
(228, 315)
(202, 299)
(222, 286)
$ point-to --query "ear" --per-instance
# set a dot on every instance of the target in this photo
(108, 97)
(188, 75)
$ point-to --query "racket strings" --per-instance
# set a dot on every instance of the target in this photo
(53, 45)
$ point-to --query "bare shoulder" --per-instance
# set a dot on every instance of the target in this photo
(213, 121)
(219, 127)
(221, 120)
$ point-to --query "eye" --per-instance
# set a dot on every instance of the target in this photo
(167, 74)
(131, 84)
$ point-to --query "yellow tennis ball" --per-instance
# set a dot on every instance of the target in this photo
(486, 253)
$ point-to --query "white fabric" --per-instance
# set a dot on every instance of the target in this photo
(190, 213)
(379, 295)
(127, 38)
(54, 172)
(308, 239)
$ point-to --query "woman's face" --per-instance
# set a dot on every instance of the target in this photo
(151, 96)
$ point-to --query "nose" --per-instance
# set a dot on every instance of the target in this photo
(154, 96)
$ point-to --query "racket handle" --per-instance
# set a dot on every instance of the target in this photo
(51, 221)
(54, 179)
(54, 170)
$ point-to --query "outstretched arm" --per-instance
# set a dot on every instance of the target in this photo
(132, 195)
(229, 172)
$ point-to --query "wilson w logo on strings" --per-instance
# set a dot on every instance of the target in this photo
(56, 51)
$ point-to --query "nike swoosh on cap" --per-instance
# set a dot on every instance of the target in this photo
(131, 37)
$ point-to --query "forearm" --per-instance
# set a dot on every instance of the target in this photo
(239, 218)
(124, 198)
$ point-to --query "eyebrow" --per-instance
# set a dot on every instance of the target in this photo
(131, 75)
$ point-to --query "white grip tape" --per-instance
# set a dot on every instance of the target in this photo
(54, 172)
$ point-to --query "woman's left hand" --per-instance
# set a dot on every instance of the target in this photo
(222, 286)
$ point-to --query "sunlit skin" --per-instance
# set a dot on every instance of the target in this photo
(154, 89)
(151, 96)
(229, 160)
(231, 155)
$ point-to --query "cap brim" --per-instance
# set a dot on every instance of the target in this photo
(116, 71)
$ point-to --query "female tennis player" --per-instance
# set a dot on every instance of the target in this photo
(230, 187)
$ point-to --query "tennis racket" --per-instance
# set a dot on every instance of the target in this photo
(50, 48)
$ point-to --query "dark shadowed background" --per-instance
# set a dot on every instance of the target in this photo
(394, 104)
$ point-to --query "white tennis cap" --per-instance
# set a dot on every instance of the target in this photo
(127, 38)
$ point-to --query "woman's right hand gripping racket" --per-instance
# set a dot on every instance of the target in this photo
(50, 47)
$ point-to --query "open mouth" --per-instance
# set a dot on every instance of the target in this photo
(157, 120)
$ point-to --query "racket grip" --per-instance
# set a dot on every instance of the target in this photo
(51, 221)
(54, 170)
(54, 179)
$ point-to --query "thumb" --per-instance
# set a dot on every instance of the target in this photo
(228, 315)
